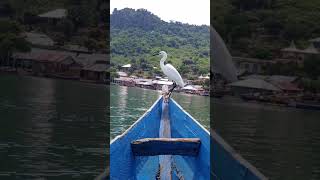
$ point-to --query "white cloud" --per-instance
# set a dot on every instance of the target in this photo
(186, 11)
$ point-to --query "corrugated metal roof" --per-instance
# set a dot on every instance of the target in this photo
(256, 84)
(77, 48)
(281, 78)
(285, 85)
(126, 66)
(38, 39)
(56, 14)
(124, 79)
(189, 87)
(255, 76)
(83, 59)
(142, 81)
(41, 56)
(90, 59)
(96, 68)
(145, 83)
(292, 48)
(162, 82)
(123, 74)
(199, 87)
(311, 49)
(94, 57)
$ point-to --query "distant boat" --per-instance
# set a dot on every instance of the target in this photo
(168, 143)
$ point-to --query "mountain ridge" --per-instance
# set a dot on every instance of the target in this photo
(135, 34)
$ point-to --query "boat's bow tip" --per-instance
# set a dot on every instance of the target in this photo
(165, 93)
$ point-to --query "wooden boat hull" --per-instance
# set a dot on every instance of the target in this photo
(124, 165)
(225, 162)
(229, 165)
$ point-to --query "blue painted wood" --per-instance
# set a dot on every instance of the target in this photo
(166, 146)
(123, 165)
(184, 126)
(165, 132)
(229, 165)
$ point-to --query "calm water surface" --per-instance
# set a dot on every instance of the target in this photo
(283, 143)
(52, 129)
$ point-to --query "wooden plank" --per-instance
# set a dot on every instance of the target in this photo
(166, 146)
(165, 132)
(165, 129)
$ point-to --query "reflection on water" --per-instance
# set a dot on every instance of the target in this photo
(283, 143)
(51, 128)
(128, 104)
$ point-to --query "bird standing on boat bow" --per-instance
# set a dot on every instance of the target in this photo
(170, 72)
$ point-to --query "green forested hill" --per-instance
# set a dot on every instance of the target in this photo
(137, 34)
(257, 28)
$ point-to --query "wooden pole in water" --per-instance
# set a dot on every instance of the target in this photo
(165, 132)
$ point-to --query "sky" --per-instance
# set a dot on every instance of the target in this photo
(195, 12)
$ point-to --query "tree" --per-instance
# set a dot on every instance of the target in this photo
(113, 72)
(67, 27)
(82, 12)
(91, 44)
(10, 41)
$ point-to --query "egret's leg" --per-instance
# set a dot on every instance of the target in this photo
(171, 90)
(174, 86)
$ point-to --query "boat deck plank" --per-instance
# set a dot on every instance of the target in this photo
(165, 132)
(166, 146)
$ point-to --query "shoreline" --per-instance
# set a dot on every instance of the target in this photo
(52, 78)
(15, 72)
(180, 92)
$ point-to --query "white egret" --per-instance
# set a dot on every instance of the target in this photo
(222, 58)
(170, 71)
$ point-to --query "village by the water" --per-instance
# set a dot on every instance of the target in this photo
(89, 63)
(49, 52)
(291, 91)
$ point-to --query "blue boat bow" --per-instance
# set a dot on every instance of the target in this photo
(145, 151)
(125, 165)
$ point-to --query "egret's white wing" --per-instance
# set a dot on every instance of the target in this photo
(173, 74)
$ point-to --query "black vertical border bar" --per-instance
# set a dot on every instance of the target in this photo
(107, 139)
(108, 92)
(105, 175)
(211, 93)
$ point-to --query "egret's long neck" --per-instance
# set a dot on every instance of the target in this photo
(163, 59)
